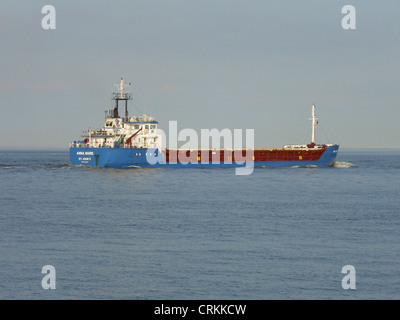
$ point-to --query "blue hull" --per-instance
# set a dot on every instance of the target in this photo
(153, 158)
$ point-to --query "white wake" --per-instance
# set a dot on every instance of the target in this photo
(343, 164)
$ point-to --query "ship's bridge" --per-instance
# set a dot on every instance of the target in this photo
(143, 122)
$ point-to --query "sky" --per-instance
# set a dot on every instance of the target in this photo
(236, 64)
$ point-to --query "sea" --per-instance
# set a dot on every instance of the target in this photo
(201, 234)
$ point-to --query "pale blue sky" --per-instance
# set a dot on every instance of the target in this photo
(207, 64)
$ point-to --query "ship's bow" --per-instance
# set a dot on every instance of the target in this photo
(328, 158)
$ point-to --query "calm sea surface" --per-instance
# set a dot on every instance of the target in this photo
(199, 233)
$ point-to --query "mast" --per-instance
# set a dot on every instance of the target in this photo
(314, 122)
(123, 95)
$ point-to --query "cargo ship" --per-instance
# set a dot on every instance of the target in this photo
(136, 141)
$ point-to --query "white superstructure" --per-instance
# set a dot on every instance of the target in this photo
(122, 132)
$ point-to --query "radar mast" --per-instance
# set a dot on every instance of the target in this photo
(123, 95)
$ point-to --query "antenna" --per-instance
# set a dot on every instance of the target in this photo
(314, 122)
(122, 95)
